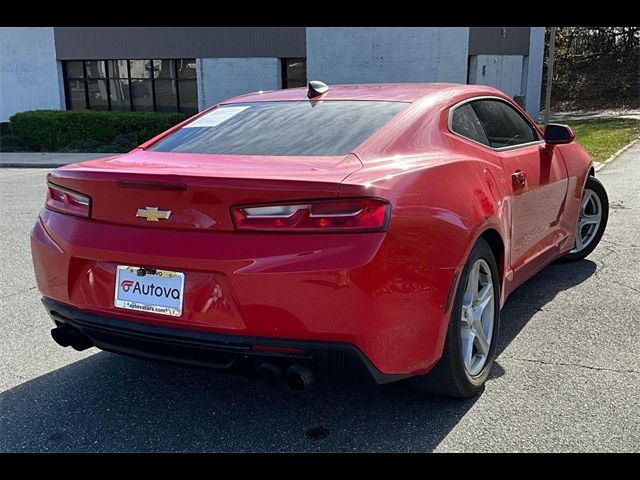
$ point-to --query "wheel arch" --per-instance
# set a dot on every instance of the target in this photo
(494, 239)
(491, 233)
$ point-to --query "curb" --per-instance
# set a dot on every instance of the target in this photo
(31, 165)
(48, 159)
(601, 165)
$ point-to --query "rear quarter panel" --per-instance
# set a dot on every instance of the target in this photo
(444, 194)
(441, 203)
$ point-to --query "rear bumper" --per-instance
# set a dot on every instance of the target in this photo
(372, 291)
(334, 361)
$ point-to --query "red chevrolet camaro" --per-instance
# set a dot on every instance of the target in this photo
(350, 232)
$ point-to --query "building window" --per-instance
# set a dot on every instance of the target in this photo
(163, 85)
(119, 90)
(187, 79)
(96, 85)
(75, 85)
(294, 72)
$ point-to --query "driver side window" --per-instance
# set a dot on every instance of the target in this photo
(503, 124)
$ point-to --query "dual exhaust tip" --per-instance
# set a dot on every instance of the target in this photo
(298, 377)
(68, 336)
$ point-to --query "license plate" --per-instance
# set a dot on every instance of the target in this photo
(149, 290)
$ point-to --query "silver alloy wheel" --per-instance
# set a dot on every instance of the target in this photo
(588, 220)
(478, 306)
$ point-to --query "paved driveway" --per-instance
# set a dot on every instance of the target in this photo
(567, 378)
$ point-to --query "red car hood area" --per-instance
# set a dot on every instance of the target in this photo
(198, 188)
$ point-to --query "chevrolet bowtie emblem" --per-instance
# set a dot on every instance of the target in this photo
(152, 214)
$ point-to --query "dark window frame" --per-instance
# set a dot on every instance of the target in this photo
(108, 78)
(499, 99)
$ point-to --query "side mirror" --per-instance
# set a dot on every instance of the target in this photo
(556, 134)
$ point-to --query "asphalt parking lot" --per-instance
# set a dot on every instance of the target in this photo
(567, 377)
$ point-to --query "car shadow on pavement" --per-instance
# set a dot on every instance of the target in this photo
(108, 402)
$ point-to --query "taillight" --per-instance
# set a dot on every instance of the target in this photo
(66, 201)
(347, 215)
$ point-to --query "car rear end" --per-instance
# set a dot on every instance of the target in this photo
(229, 259)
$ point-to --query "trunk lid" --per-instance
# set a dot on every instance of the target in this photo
(198, 189)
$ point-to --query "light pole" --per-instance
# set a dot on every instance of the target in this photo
(552, 51)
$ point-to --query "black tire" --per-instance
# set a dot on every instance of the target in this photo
(450, 377)
(596, 187)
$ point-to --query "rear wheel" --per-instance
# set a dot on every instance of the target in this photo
(470, 346)
(592, 220)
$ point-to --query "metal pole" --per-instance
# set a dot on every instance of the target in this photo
(552, 51)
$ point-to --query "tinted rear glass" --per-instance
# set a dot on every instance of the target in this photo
(282, 128)
(505, 127)
(465, 122)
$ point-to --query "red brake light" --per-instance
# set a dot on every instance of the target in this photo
(348, 215)
(66, 201)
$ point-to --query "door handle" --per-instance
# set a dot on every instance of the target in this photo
(519, 178)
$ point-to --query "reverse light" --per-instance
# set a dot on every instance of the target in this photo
(345, 215)
(67, 201)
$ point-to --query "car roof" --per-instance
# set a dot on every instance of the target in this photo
(397, 92)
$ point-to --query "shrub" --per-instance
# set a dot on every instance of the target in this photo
(11, 143)
(121, 144)
(55, 130)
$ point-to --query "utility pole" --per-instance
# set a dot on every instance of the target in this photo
(552, 51)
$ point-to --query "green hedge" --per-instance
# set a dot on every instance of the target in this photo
(55, 130)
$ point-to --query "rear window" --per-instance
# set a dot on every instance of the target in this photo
(282, 128)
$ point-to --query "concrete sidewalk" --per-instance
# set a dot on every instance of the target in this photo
(46, 160)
